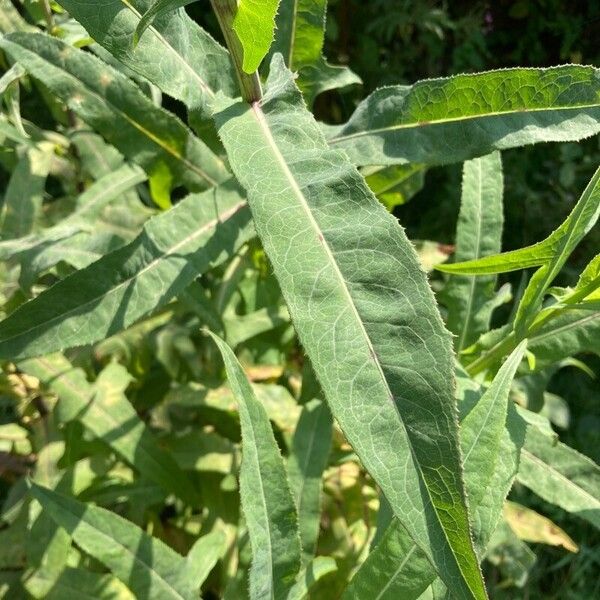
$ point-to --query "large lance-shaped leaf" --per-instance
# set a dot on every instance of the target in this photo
(300, 36)
(265, 493)
(364, 313)
(479, 233)
(104, 410)
(110, 294)
(441, 121)
(561, 475)
(115, 107)
(174, 53)
(148, 567)
(397, 567)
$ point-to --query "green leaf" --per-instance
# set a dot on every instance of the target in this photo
(11, 20)
(441, 121)
(551, 252)
(254, 24)
(572, 332)
(115, 107)
(239, 329)
(581, 219)
(397, 567)
(299, 36)
(307, 461)
(173, 249)
(313, 572)
(25, 192)
(157, 8)
(364, 313)
(148, 567)
(561, 475)
(90, 205)
(479, 232)
(104, 410)
(203, 556)
(192, 65)
(395, 185)
(87, 585)
(265, 494)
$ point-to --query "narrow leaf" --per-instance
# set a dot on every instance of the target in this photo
(265, 494)
(364, 313)
(561, 475)
(110, 294)
(313, 572)
(203, 556)
(115, 107)
(397, 567)
(395, 185)
(479, 233)
(104, 410)
(254, 24)
(441, 121)
(88, 585)
(307, 461)
(148, 567)
(157, 8)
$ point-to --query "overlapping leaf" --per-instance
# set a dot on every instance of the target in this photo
(363, 311)
(441, 121)
(110, 294)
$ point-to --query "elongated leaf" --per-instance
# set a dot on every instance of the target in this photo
(570, 333)
(555, 248)
(560, 475)
(25, 192)
(174, 248)
(581, 219)
(148, 567)
(192, 66)
(530, 526)
(11, 20)
(479, 233)
(239, 329)
(265, 494)
(254, 24)
(104, 410)
(115, 107)
(91, 203)
(441, 121)
(364, 313)
(397, 567)
(308, 458)
(300, 36)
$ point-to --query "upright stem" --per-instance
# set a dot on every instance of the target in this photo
(249, 84)
(48, 16)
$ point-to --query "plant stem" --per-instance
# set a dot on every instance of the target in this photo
(225, 10)
(48, 16)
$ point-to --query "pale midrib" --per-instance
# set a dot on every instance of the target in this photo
(297, 191)
(153, 573)
(396, 573)
(227, 214)
(293, 36)
(578, 490)
(472, 282)
(366, 132)
(169, 47)
(151, 136)
(566, 327)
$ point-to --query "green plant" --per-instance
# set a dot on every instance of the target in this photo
(128, 234)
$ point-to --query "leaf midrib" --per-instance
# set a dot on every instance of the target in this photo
(428, 123)
(226, 215)
(566, 327)
(297, 191)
